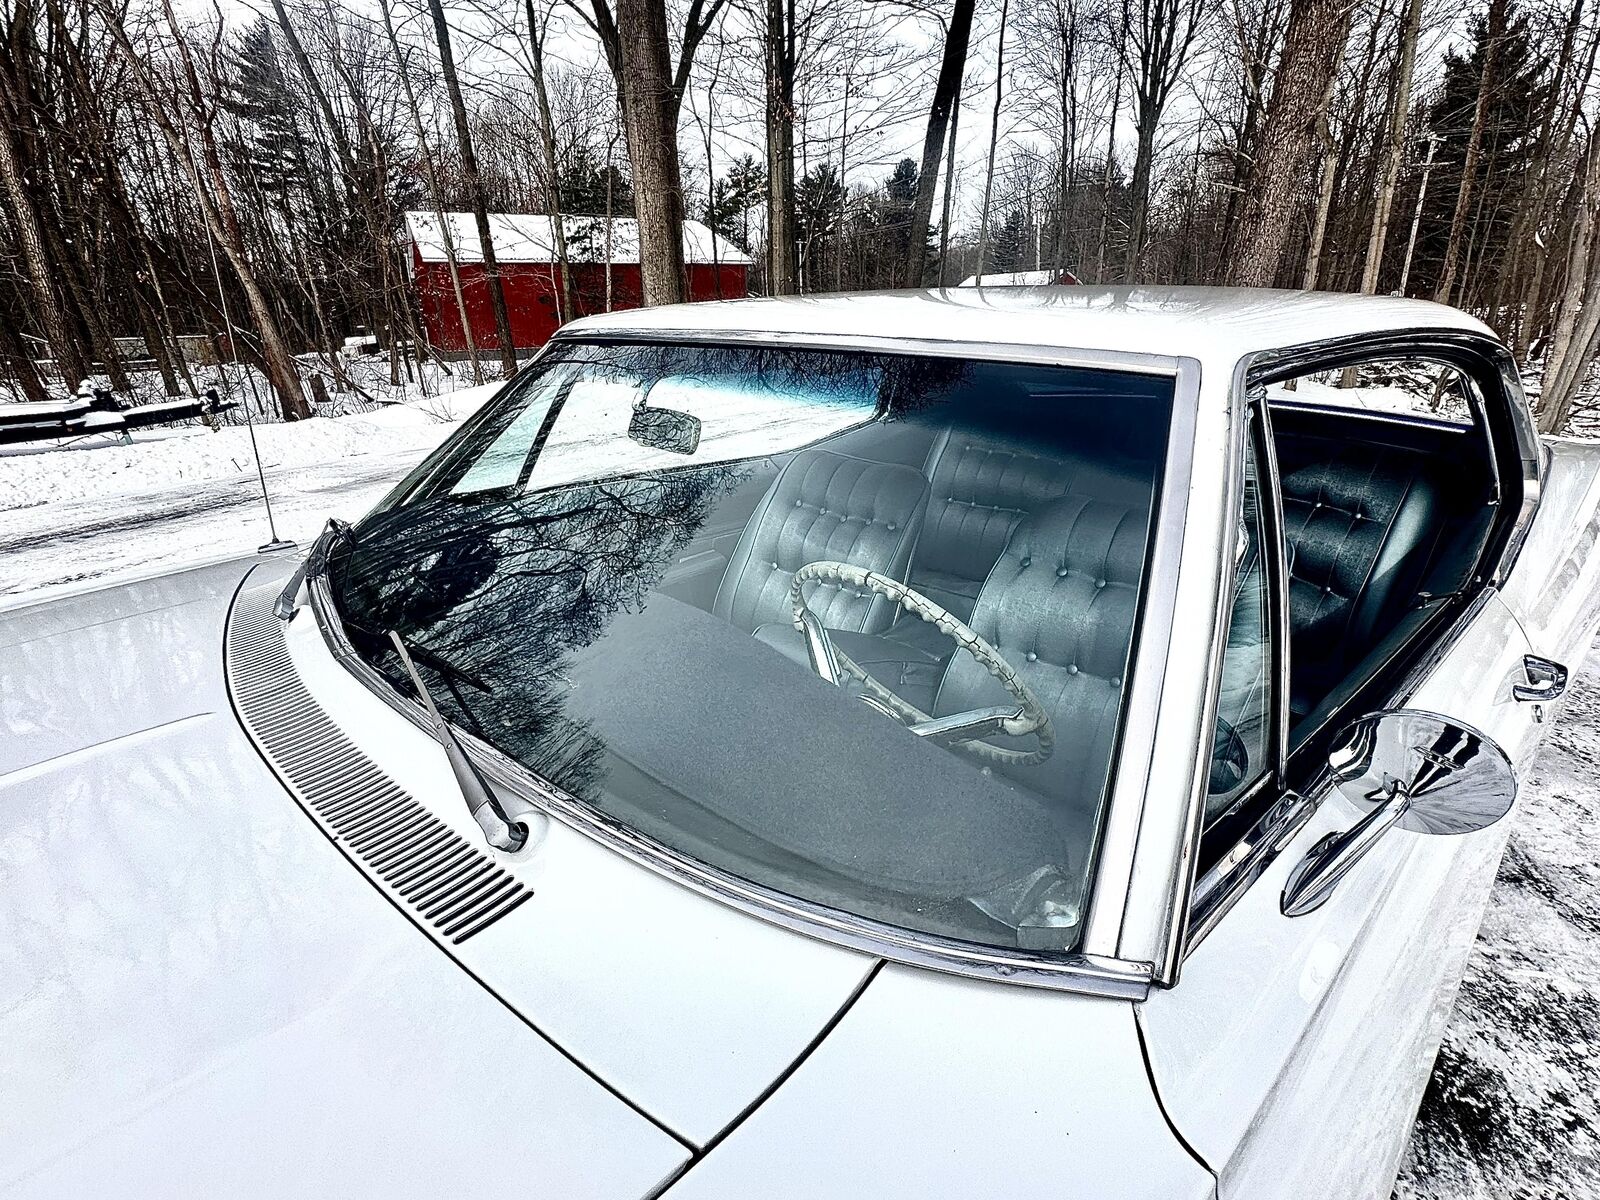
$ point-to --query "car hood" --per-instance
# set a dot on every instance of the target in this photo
(188, 948)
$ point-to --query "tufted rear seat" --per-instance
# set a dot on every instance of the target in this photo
(1362, 523)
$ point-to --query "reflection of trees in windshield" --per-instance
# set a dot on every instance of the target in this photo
(496, 598)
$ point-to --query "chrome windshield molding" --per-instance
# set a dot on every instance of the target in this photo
(1110, 360)
(1241, 414)
(1141, 868)
(1084, 973)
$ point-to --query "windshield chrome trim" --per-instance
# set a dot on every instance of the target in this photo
(1144, 863)
(1086, 974)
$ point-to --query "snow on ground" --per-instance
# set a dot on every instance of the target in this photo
(1513, 1110)
(100, 466)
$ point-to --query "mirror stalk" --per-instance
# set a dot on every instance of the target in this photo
(1333, 857)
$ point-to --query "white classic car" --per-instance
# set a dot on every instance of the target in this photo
(984, 743)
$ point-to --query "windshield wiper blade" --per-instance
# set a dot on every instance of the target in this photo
(500, 831)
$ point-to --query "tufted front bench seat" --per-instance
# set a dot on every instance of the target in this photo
(1059, 605)
(824, 505)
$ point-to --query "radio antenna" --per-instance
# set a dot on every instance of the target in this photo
(276, 543)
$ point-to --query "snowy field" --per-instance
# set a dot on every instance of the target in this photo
(1513, 1110)
(98, 508)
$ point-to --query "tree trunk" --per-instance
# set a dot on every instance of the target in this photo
(14, 352)
(1495, 30)
(650, 118)
(1570, 344)
(431, 177)
(782, 274)
(994, 137)
(1394, 149)
(1319, 224)
(474, 184)
(547, 139)
(1312, 48)
(25, 222)
(945, 93)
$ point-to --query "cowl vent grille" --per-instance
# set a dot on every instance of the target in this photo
(442, 878)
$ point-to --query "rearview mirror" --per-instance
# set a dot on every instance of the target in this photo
(665, 429)
(1415, 770)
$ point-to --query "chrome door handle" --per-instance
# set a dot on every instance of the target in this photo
(1547, 680)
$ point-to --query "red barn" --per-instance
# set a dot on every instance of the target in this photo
(602, 255)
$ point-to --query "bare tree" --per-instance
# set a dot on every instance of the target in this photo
(782, 269)
(1312, 48)
(1158, 38)
(480, 203)
(1496, 28)
(946, 92)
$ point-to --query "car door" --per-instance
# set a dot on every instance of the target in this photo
(1294, 1050)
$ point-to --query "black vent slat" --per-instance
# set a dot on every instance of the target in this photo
(448, 883)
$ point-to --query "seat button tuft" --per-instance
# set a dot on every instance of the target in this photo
(1027, 562)
(1062, 572)
(1099, 583)
(891, 526)
(1032, 657)
(1072, 669)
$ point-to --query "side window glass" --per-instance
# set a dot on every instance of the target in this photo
(1407, 386)
(1242, 746)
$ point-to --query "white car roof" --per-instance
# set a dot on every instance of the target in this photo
(1213, 325)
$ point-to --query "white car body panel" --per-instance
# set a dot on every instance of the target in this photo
(199, 997)
(1284, 1030)
(687, 1007)
(933, 1085)
(1215, 326)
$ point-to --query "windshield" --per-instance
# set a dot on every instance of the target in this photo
(851, 627)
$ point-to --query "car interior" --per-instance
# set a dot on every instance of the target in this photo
(1384, 516)
(1040, 553)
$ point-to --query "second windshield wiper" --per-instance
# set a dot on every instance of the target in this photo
(501, 832)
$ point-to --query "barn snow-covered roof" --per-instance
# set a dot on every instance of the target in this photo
(530, 237)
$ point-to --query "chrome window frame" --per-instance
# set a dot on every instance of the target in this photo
(1514, 451)
(1098, 969)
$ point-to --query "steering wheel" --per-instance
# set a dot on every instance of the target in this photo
(960, 729)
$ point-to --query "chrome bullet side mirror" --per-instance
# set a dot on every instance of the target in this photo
(1416, 770)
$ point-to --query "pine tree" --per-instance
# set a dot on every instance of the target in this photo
(1520, 95)
(1007, 246)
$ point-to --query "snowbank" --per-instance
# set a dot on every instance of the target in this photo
(165, 458)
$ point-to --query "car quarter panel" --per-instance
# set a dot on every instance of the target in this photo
(935, 1085)
(198, 997)
(1554, 585)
